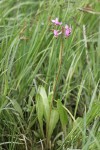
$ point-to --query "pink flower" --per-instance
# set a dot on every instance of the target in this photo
(56, 22)
(56, 33)
(68, 30)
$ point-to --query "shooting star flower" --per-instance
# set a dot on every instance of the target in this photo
(56, 22)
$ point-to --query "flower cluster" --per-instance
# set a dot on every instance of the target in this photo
(66, 31)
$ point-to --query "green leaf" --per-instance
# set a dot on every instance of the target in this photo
(39, 110)
(53, 121)
(50, 97)
(17, 107)
(63, 115)
(45, 102)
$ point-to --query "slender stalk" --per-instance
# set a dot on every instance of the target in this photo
(54, 87)
(58, 72)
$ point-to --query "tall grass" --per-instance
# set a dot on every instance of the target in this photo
(33, 114)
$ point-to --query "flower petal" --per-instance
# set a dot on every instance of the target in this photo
(56, 22)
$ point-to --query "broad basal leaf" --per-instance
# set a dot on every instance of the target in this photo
(39, 110)
(53, 122)
(45, 102)
(63, 115)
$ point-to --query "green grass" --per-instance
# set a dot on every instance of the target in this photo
(37, 110)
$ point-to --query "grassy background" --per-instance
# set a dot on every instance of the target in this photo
(29, 60)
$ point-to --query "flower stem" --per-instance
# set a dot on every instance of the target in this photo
(58, 72)
(54, 87)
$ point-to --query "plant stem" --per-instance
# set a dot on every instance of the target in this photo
(54, 87)
(58, 72)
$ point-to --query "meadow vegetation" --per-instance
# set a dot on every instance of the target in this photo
(49, 87)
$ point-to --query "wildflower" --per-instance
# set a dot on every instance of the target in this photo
(68, 30)
(56, 33)
(56, 22)
(65, 30)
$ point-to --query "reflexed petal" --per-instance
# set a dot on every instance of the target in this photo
(66, 26)
(56, 22)
(56, 19)
(53, 21)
